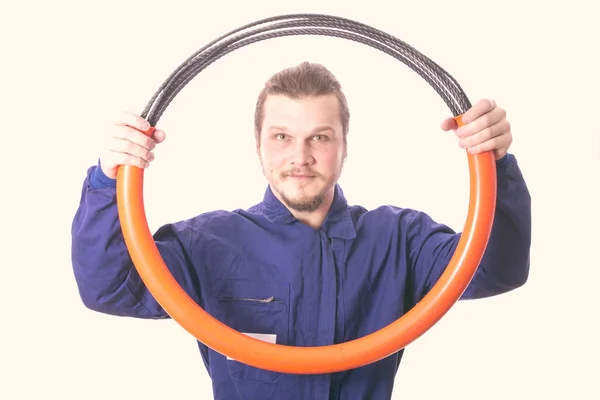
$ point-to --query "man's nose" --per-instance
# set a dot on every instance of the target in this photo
(301, 154)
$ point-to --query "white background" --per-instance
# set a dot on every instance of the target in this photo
(68, 67)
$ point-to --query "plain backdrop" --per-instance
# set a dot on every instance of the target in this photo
(69, 67)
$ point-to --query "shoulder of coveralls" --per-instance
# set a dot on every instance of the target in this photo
(216, 219)
(389, 216)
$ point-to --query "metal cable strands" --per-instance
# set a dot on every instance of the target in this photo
(307, 24)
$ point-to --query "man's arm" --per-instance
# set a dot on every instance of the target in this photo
(505, 264)
(107, 280)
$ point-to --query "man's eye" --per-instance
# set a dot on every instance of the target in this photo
(280, 136)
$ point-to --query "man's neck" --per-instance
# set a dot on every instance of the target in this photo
(313, 219)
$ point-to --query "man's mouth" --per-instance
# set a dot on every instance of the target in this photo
(301, 175)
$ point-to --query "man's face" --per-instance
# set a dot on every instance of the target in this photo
(302, 149)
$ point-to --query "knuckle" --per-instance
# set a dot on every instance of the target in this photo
(485, 103)
(126, 117)
(121, 131)
(142, 123)
(133, 120)
(124, 158)
(126, 130)
(139, 138)
(488, 133)
(130, 147)
(466, 143)
(145, 155)
(487, 120)
(486, 146)
(134, 161)
(132, 132)
(135, 136)
(141, 152)
(149, 143)
(118, 145)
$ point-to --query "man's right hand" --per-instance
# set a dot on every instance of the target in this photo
(128, 145)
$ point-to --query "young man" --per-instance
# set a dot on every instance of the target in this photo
(302, 266)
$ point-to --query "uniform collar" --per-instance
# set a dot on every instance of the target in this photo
(338, 223)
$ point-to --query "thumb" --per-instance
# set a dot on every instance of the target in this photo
(449, 124)
(159, 136)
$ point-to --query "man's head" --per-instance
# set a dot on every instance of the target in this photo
(301, 125)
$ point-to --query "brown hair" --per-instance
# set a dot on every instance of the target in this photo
(303, 80)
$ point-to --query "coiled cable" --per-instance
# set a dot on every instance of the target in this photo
(307, 24)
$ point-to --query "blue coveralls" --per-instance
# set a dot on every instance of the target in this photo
(356, 274)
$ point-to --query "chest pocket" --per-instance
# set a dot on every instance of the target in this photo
(256, 308)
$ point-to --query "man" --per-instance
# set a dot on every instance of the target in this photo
(302, 267)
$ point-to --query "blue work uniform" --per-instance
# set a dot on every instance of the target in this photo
(259, 270)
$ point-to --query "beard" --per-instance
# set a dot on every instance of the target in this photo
(304, 202)
(308, 204)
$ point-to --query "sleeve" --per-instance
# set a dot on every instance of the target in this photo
(505, 263)
(104, 273)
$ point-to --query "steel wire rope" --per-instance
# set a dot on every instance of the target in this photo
(441, 81)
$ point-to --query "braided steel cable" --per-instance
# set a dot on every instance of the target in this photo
(307, 24)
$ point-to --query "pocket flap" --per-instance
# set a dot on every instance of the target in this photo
(251, 291)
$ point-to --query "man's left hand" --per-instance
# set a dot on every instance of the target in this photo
(485, 129)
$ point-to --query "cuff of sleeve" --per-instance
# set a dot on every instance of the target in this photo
(99, 180)
(504, 161)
